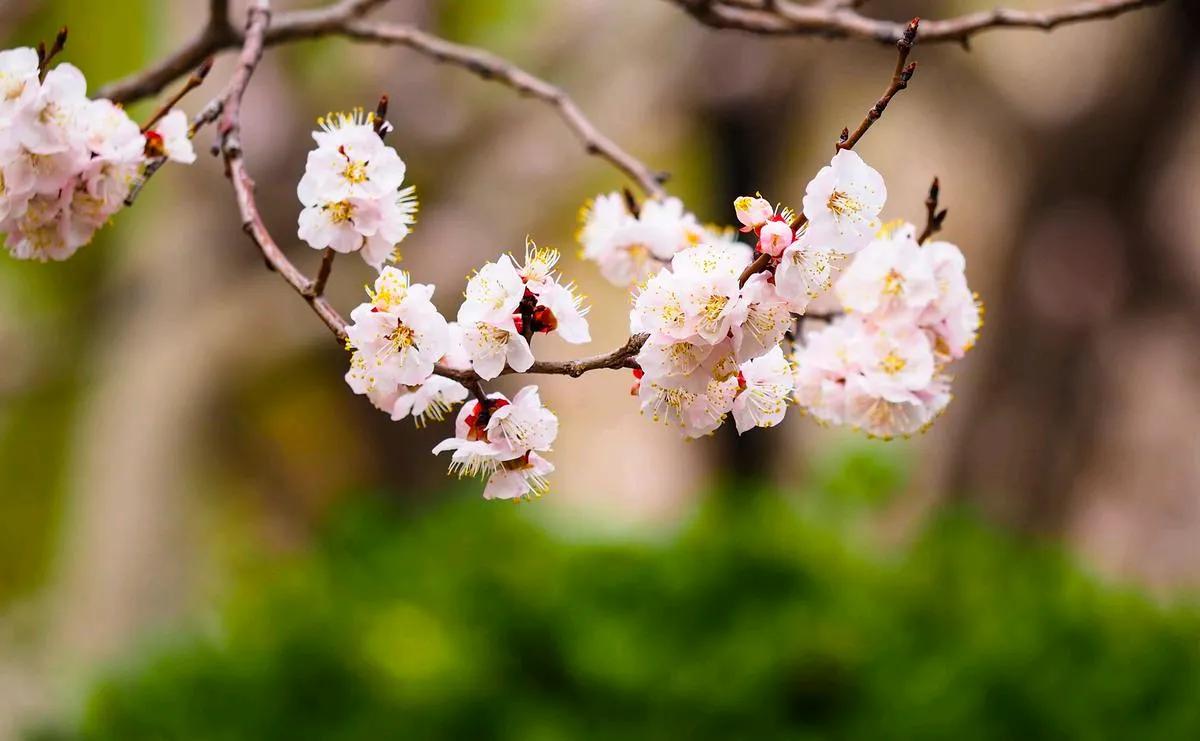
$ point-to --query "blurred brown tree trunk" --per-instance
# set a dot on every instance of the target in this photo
(1087, 264)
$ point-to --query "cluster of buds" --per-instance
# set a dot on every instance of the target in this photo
(68, 163)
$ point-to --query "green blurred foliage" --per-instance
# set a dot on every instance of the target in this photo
(755, 621)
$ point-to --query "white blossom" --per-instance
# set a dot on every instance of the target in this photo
(696, 402)
(18, 80)
(842, 204)
(954, 316)
(891, 274)
(399, 333)
(822, 365)
(753, 212)
(523, 425)
(803, 274)
(67, 163)
(765, 387)
(493, 294)
(501, 440)
(491, 347)
(661, 357)
(767, 318)
(433, 399)
(519, 478)
(555, 307)
(351, 191)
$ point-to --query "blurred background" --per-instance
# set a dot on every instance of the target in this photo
(205, 535)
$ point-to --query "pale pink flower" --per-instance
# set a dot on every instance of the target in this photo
(843, 202)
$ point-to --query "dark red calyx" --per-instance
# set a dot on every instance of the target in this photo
(543, 320)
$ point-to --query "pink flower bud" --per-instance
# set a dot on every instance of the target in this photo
(753, 212)
(774, 237)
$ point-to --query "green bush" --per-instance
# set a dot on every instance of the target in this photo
(471, 622)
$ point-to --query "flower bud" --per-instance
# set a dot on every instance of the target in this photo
(753, 212)
(774, 237)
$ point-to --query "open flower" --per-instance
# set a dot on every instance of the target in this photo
(880, 417)
(18, 80)
(661, 357)
(523, 425)
(696, 403)
(433, 399)
(803, 274)
(891, 274)
(843, 202)
(399, 332)
(549, 305)
(491, 347)
(766, 320)
(519, 478)
(493, 294)
(765, 386)
(955, 315)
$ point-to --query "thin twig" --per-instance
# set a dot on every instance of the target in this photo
(785, 18)
(760, 263)
(193, 81)
(490, 67)
(933, 217)
(622, 357)
(45, 57)
(229, 131)
(900, 77)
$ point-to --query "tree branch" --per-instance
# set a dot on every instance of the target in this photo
(206, 116)
(843, 21)
(490, 67)
(343, 19)
(622, 357)
(229, 133)
(900, 77)
(933, 217)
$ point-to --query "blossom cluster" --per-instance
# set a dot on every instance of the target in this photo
(67, 163)
(352, 190)
(398, 338)
(881, 368)
(720, 319)
(717, 322)
(502, 440)
(718, 315)
(506, 305)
